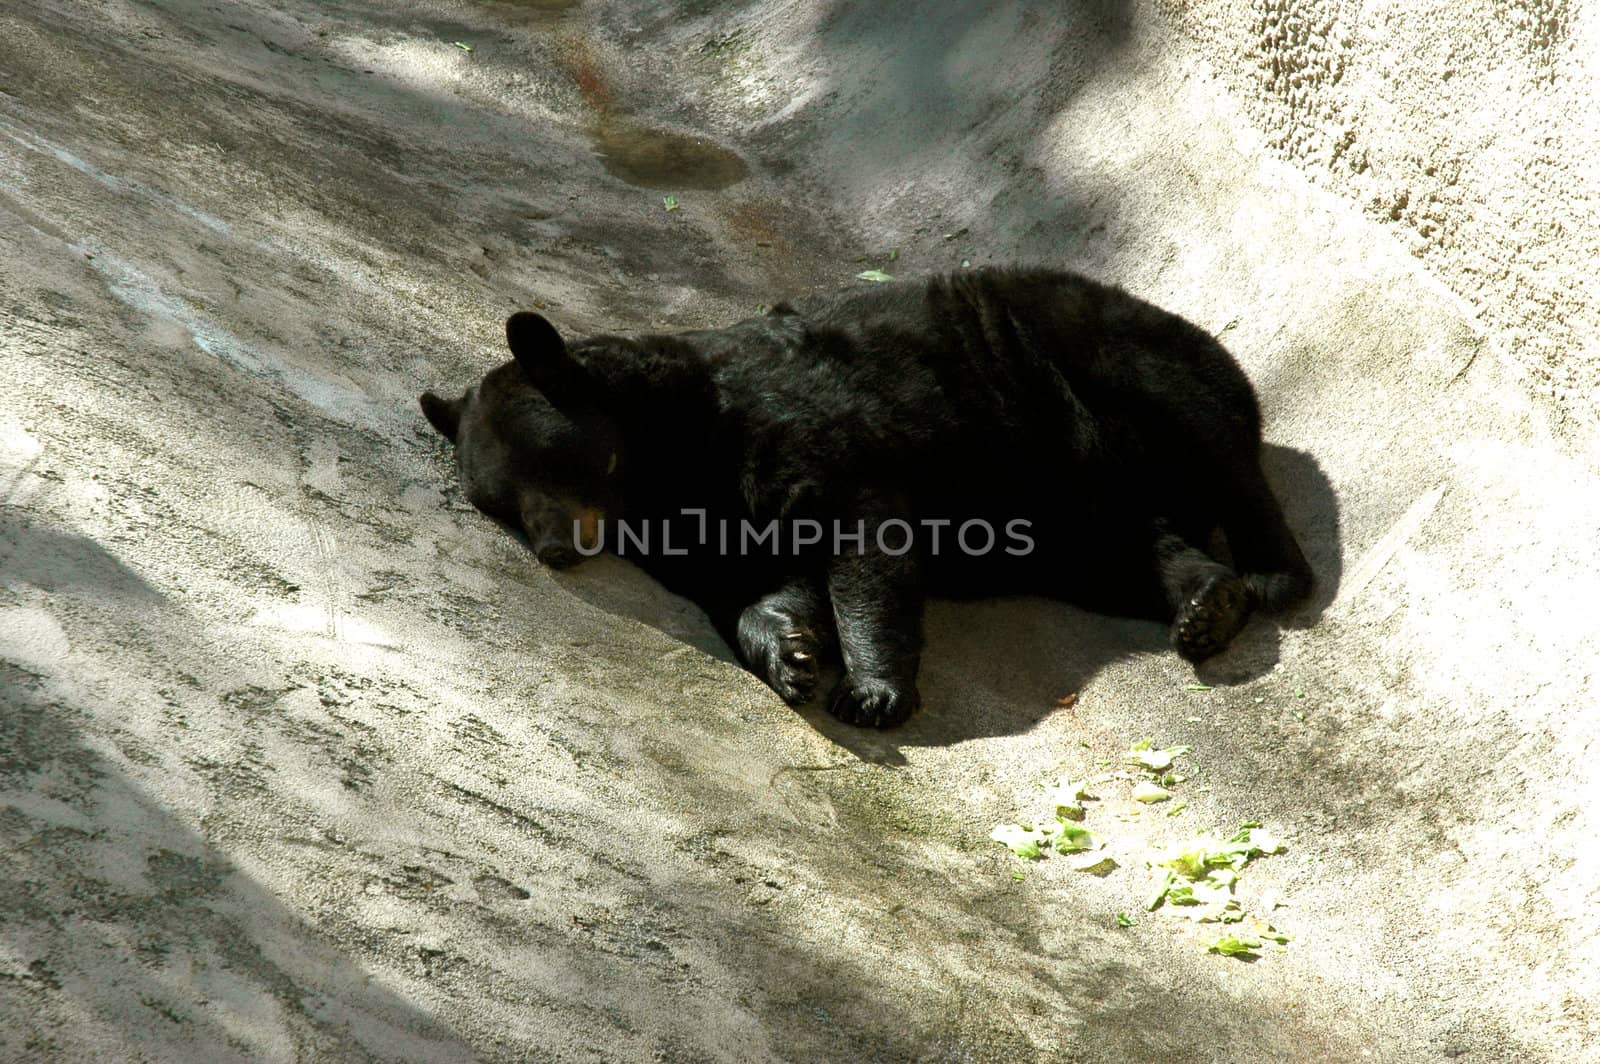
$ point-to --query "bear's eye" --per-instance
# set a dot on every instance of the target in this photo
(611, 466)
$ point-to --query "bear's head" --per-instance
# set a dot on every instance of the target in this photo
(538, 445)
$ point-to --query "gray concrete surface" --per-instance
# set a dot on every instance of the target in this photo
(303, 760)
(1462, 128)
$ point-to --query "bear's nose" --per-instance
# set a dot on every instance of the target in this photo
(556, 555)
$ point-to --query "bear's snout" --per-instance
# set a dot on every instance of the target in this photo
(561, 532)
(557, 555)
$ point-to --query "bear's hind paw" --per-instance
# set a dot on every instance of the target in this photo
(1207, 623)
(873, 703)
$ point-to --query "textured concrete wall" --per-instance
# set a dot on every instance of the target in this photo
(1467, 127)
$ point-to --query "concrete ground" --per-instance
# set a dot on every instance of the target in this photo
(302, 759)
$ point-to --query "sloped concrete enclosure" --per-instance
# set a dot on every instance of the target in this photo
(304, 760)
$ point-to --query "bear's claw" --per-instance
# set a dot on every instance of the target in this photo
(793, 668)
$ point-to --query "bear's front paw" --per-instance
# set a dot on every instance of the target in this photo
(792, 667)
(1207, 623)
(873, 703)
(782, 648)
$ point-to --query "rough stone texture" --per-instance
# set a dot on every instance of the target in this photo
(301, 759)
(1465, 128)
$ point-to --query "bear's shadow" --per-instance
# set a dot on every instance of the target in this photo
(999, 666)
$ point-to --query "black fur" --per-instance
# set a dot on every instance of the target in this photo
(1124, 436)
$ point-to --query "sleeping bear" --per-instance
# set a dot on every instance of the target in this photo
(809, 475)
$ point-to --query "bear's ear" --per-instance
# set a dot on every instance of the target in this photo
(443, 414)
(545, 361)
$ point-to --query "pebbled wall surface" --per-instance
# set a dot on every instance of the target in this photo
(1466, 128)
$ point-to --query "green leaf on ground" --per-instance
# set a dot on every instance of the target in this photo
(1022, 841)
(1066, 798)
(1153, 759)
(1168, 881)
(1149, 793)
(1073, 839)
(1231, 946)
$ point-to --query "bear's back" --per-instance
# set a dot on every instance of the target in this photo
(977, 382)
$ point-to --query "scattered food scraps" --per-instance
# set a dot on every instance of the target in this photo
(1197, 857)
(1093, 863)
(1143, 753)
(1198, 876)
(1071, 838)
(1150, 793)
(1168, 881)
(875, 275)
(1204, 870)
(1230, 946)
(1067, 798)
(1022, 840)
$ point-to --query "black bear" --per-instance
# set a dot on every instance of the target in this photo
(807, 476)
